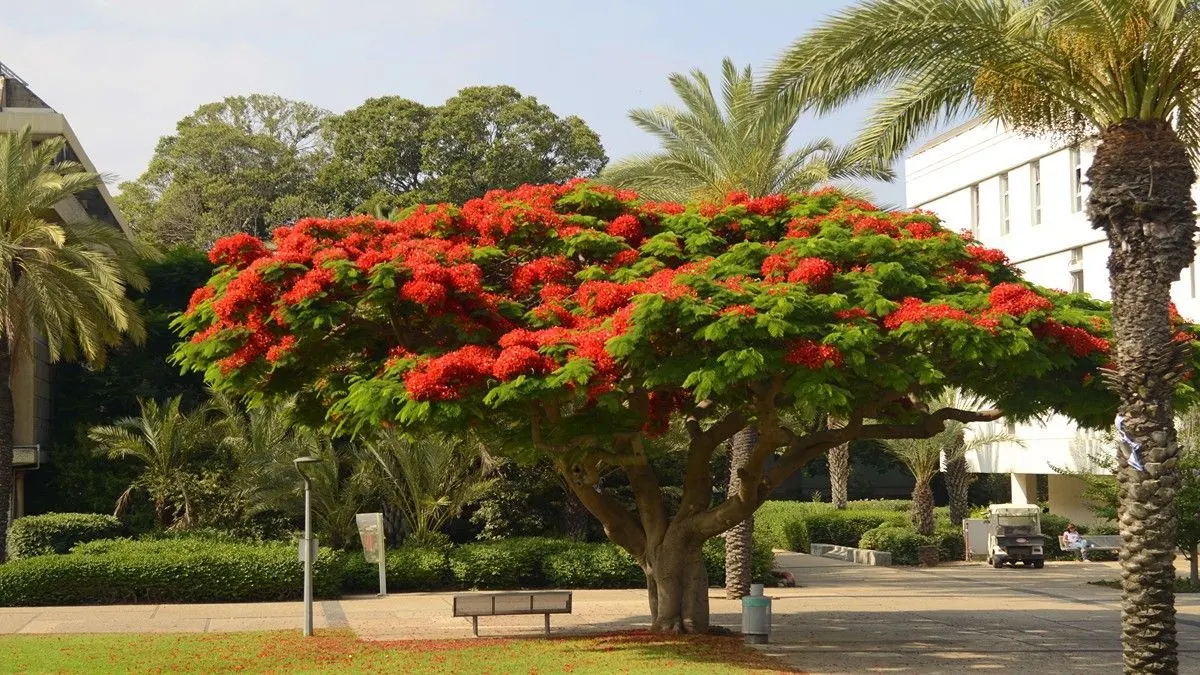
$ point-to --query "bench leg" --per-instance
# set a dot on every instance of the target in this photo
(547, 625)
(475, 626)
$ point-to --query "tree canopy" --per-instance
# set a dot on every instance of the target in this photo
(576, 320)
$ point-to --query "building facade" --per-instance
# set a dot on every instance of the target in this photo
(1027, 196)
(21, 107)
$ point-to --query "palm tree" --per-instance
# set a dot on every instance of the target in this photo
(165, 441)
(1124, 71)
(923, 456)
(61, 284)
(710, 149)
(429, 480)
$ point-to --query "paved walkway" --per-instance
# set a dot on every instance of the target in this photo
(843, 618)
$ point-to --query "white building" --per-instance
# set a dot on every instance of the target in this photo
(1026, 196)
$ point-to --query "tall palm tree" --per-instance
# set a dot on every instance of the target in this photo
(1125, 71)
(60, 283)
(711, 148)
(165, 440)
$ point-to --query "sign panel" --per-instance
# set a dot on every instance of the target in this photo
(370, 530)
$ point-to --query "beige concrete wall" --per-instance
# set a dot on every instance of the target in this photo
(1024, 488)
(1066, 499)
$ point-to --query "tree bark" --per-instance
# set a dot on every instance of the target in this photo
(6, 444)
(1141, 197)
(958, 483)
(677, 584)
(839, 475)
(922, 506)
(1194, 566)
(739, 539)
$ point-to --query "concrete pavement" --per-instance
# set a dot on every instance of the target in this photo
(843, 618)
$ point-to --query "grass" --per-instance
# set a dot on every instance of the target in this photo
(341, 651)
(1182, 585)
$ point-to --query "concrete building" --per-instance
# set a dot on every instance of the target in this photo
(21, 107)
(1026, 196)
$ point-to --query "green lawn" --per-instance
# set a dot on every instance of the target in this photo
(287, 651)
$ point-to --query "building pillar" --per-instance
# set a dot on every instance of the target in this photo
(1065, 499)
(1024, 488)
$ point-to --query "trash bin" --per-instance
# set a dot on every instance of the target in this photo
(756, 616)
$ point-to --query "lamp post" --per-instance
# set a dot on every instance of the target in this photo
(307, 550)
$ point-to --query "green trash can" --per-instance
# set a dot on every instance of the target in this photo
(756, 616)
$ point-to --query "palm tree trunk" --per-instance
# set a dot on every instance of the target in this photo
(1141, 197)
(922, 506)
(7, 415)
(958, 483)
(1194, 566)
(839, 475)
(739, 539)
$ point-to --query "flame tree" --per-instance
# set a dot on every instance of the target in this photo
(577, 321)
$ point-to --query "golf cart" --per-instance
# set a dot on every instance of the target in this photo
(1015, 535)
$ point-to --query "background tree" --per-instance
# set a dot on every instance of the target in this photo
(710, 149)
(62, 282)
(376, 154)
(164, 440)
(1127, 71)
(243, 164)
(487, 138)
(531, 318)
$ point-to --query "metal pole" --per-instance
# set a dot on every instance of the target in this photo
(382, 567)
(308, 561)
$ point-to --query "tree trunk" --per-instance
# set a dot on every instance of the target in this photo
(958, 484)
(739, 539)
(922, 507)
(1141, 197)
(1194, 571)
(6, 445)
(839, 475)
(677, 584)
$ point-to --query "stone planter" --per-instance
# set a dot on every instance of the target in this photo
(927, 556)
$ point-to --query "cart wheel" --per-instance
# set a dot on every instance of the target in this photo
(997, 563)
(1039, 564)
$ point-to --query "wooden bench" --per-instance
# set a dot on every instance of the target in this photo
(1099, 542)
(476, 605)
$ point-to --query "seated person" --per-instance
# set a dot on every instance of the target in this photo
(1075, 541)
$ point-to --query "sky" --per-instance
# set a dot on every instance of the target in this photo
(125, 71)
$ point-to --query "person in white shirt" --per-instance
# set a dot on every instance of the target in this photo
(1075, 541)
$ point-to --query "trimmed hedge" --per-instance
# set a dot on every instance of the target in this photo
(409, 568)
(126, 571)
(602, 565)
(504, 563)
(901, 542)
(57, 532)
(847, 527)
(762, 561)
(781, 525)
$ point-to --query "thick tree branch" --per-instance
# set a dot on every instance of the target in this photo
(647, 493)
(697, 481)
(620, 525)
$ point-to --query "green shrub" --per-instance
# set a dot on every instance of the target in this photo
(409, 568)
(846, 528)
(505, 563)
(58, 532)
(950, 544)
(125, 571)
(901, 542)
(900, 505)
(762, 561)
(584, 565)
(1054, 525)
(781, 525)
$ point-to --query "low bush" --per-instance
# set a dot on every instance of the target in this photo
(585, 565)
(126, 571)
(950, 544)
(409, 568)
(58, 532)
(900, 505)
(901, 542)
(846, 528)
(505, 563)
(780, 524)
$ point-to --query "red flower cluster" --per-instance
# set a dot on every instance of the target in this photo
(238, 250)
(769, 205)
(1078, 340)
(812, 354)
(444, 377)
(739, 310)
(915, 310)
(922, 230)
(199, 296)
(991, 256)
(1016, 300)
(520, 360)
(804, 227)
(866, 223)
(545, 270)
(816, 272)
(627, 227)
(851, 314)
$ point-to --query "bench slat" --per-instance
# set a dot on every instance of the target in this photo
(510, 603)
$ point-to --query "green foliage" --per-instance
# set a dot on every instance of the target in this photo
(901, 505)
(781, 525)
(761, 563)
(507, 563)
(58, 532)
(124, 571)
(846, 528)
(950, 543)
(588, 565)
(409, 568)
(902, 542)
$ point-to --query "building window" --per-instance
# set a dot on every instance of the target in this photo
(1035, 190)
(1005, 216)
(1076, 180)
(1076, 281)
(1076, 256)
(975, 210)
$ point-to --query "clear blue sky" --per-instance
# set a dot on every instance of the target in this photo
(124, 71)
